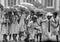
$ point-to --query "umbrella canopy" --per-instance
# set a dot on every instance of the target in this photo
(23, 6)
(40, 10)
(28, 5)
(12, 9)
(6, 9)
(20, 7)
(38, 4)
(16, 6)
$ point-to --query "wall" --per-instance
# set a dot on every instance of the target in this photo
(50, 9)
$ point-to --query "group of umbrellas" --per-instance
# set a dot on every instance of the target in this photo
(18, 7)
(24, 7)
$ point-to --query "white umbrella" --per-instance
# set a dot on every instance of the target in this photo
(23, 6)
(18, 7)
(28, 5)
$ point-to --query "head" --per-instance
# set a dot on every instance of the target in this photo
(55, 14)
(34, 19)
(32, 12)
(38, 14)
(49, 15)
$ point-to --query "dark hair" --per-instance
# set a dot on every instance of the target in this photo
(38, 14)
(55, 14)
(32, 11)
(9, 12)
(34, 19)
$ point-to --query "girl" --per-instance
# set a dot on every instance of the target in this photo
(5, 27)
(55, 24)
(22, 26)
(14, 27)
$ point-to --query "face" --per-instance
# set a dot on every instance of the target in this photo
(54, 16)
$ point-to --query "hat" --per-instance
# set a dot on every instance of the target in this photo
(49, 14)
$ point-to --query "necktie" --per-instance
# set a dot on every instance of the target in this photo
(49, 26)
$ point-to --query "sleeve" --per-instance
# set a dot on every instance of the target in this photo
(59, 21)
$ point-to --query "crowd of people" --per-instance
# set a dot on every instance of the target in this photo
(28, 24)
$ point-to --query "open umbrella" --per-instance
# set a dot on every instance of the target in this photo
(23, 6)
(20, 7)
(28, 5)
(40, 10)
(6, 9)
(16, 6)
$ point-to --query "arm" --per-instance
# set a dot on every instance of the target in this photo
(55, 25)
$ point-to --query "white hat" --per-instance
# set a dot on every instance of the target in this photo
(49, 14)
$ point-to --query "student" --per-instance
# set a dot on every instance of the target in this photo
(40, 21)
(14, 27)
(22, 25)
(55, 24)
(4, 28)
(46, 25)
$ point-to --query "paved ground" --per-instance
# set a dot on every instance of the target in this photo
(1, 37)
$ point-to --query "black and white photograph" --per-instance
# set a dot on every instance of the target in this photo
(29, 20)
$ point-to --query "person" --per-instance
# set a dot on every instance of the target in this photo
(14, 27)
(9, 24)
(46, 26)
(4, 27)
(22, 26)
(31, 30)
(55, 24)
(39, 21)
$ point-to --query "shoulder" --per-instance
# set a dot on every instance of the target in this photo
(57, 18)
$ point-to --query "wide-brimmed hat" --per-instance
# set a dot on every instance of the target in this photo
(49, 14)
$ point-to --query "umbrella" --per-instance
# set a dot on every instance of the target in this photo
(23, 6)
(40, 10)
(16, 6)
(6, 9)
(12, 9)
(38, 4)
(28, 5)
(20, 7)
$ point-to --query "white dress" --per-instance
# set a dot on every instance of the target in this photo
(53, 28)
(14, 27)
(4, 28)
(22, 26)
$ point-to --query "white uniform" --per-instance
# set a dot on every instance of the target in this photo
(14, 26)
(55, 29)
(4, 27)
(31, 30)
(22, 26)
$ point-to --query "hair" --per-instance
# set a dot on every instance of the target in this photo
(38, 14)
(32, 12)
(55, 14)
(34, 19)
